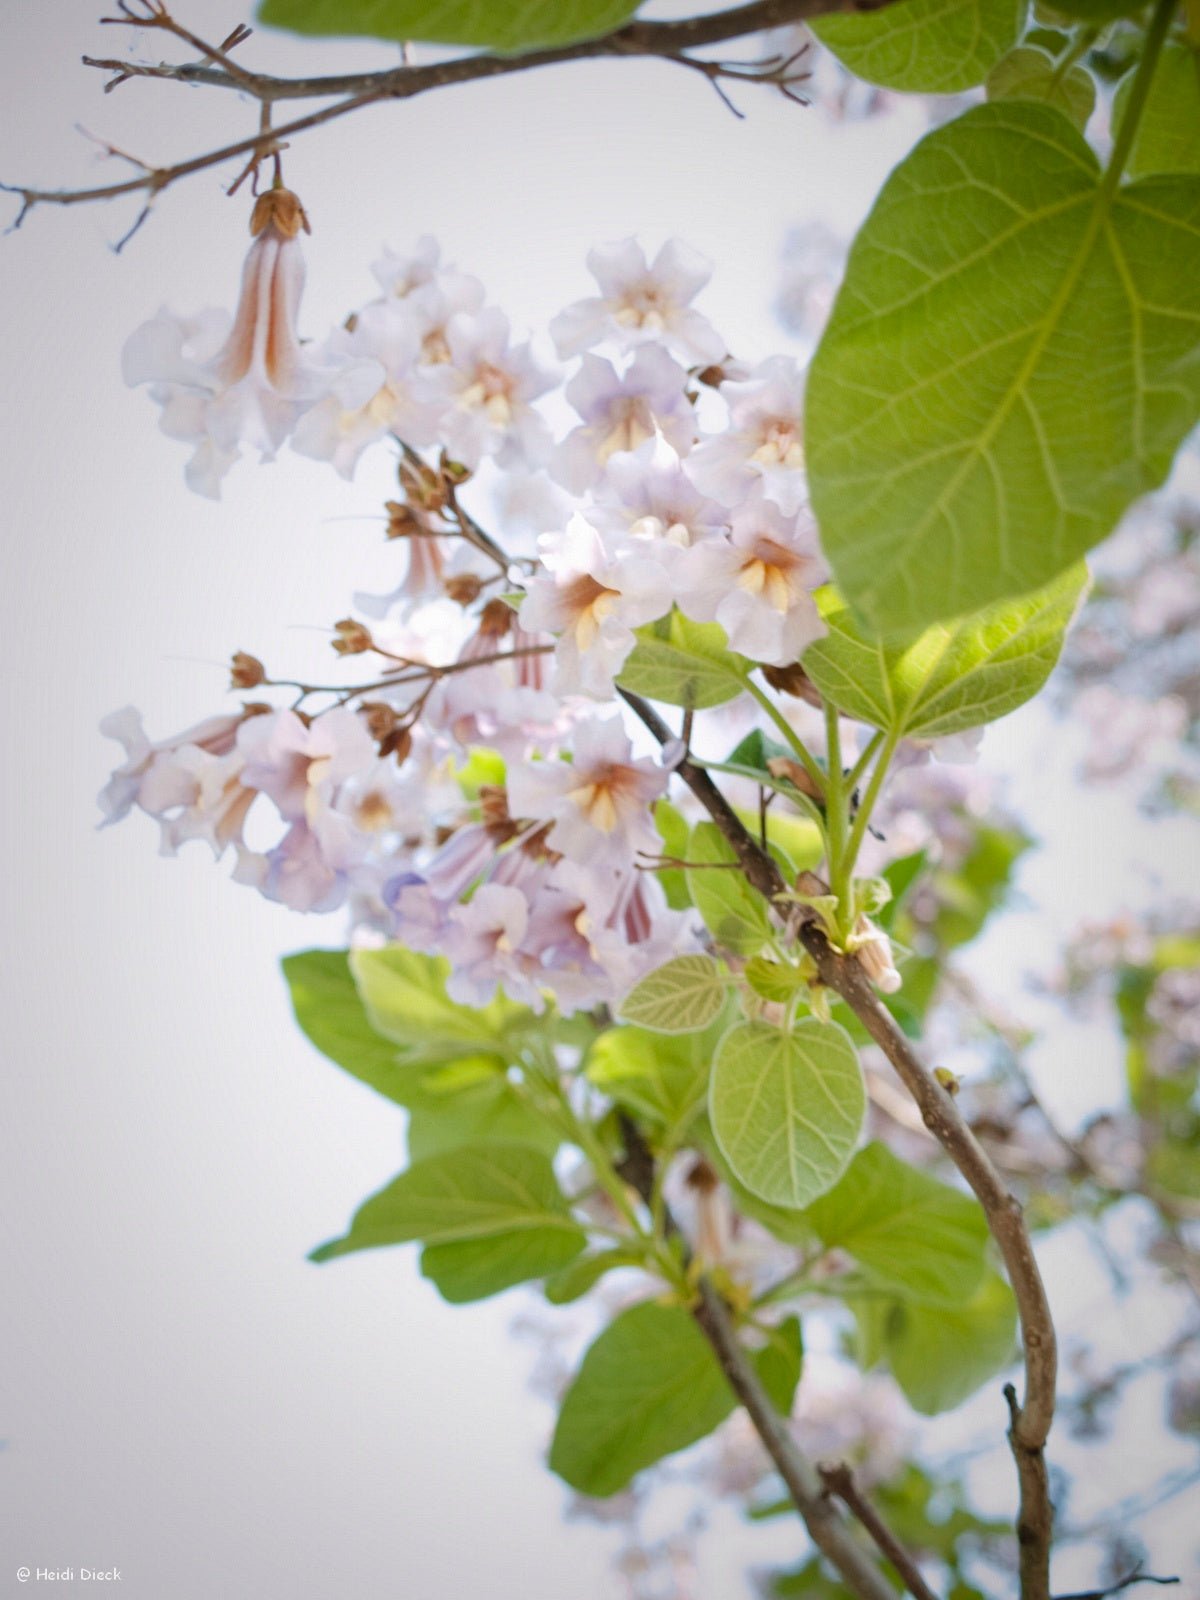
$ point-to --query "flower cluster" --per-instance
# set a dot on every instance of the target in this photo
(474, 800)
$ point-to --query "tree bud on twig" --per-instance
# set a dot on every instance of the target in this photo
(245, 671)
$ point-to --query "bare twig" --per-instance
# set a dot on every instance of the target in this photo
(665, 41)
(1127, 1582)
(839, 1480)
(1030, 1420)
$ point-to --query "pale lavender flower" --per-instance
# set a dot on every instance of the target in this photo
(639, 302)
(622, 412)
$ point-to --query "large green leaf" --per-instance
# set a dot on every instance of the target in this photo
(951, 676)
(684, 663)
(471, 1193)
(1168, 136)
(1012, 358)
(910, 1231)
(648, 1386)
(924, 46)
(682, 996)
(787, 1108)
(406, 1001)
(736, 915)
(940, 1355)
(512, 26)
(330, 1010)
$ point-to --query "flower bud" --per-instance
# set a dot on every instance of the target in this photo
(380, 718)
(403, 521)
(246, 671)
(496, 620)
(874, 951)
(352, 637)
(280, 211)
(463, 588)
(793, 679)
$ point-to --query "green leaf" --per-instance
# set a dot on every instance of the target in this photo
(734, 913)
(473, 1103)
(511, 26)
(471, 1193)
(774, 980)
(1027, 73)
(654, 1075)
(682, 996)
(584, 1273)
(330, 1011)
(1012, 358)
(909, 1231)
(924, 46)
(950, 677)
(1168, 135)
(649, 1386)
(405, 998)
(473, 1269)
(778, 1364)
(787, 1108)
(684, 663)
(940, 1355)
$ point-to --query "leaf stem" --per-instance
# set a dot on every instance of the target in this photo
(791, 737)
(835, 817)
(870, 799)
(1164, 11)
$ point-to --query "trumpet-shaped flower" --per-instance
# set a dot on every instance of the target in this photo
(763, 445)
(637, 303)
(256, 385)
(599, 804)
(592, 599)
(623, 412)
(757, 584)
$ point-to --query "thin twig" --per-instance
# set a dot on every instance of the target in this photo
(839, 1480)
(1127, 1582)
(1030, 1420)
(665, 41)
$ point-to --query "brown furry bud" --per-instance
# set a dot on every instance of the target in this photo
(496, 619)
(245, 671)
(797, 775)
(352, 637)
(380, 718)
(402, 520)
(794, 680)
(463, 588)
(398, 743)
(281, 210)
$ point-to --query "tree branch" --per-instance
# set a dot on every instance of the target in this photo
(827, 1529)
(665, 41)
(1031, 1419)
(839, 1480)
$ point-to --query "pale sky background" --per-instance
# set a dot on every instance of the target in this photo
(183, 1395)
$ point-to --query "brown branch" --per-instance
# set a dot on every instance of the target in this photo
(827, 1528)
(839, 1480)
(1030, 1420)
(665, 41)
